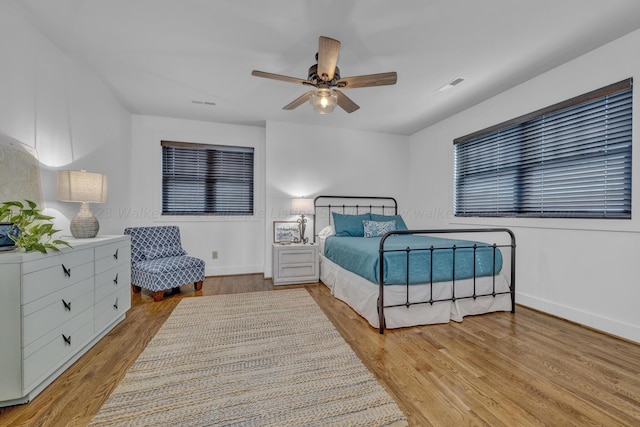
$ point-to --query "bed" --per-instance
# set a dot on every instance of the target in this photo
(395, 277)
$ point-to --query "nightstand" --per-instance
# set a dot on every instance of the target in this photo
(295, 263)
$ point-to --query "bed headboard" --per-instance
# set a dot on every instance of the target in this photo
(353, 205)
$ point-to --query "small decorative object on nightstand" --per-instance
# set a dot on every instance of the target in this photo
(295, 263)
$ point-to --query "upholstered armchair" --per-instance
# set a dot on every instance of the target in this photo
(159, 263)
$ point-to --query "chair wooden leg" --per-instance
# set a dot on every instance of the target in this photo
(198, 285)
(135, 289)
(158, 296)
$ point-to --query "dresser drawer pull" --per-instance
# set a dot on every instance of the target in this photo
(67, 305)
(67, 339)
(115, 281)
(116, 254)
(116, 304)
(67, 271)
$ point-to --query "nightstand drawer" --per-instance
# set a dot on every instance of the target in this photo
(297, 256)
(293, 271)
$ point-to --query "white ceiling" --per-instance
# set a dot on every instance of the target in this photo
(160, 55)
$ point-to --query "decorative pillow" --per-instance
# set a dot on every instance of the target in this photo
(156, 252)
(349, 225)
(400, 225)
(377, 228)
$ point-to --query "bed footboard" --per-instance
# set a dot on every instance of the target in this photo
(384, 250)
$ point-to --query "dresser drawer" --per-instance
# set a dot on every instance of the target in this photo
(69, 259)
(113, 280)
(49, 357)
(112, 307)
(40, 283)
(113, 255)
(45, 314)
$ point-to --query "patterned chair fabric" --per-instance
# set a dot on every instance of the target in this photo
(158, 262)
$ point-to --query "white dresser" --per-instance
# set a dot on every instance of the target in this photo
(55, 307)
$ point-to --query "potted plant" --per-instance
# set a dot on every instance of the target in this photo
(32, 230)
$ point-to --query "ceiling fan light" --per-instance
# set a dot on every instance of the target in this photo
(323, 100)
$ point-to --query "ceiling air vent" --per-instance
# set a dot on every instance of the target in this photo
(451, 84)
(203, 102)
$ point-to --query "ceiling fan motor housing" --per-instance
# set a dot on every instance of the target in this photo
(318, 80)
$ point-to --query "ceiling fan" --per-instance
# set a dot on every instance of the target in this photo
(325, 77)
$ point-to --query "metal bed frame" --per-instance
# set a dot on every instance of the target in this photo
(390, 204)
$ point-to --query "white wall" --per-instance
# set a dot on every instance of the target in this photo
(291, 160)
(237, 239)
(586, 271)
(52, 104)
(312, 160)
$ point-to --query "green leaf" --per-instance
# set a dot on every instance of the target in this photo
(16, 204)
(61, 242)
(45, 228)
(43, 217)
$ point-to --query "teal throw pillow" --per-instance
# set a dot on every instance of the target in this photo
(349, 225)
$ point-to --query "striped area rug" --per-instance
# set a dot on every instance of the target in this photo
(252, 359)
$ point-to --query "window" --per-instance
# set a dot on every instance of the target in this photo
(202, 179)
(570, 160)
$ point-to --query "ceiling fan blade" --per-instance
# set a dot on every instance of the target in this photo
(328, 50)
(346, 103)
(298, 101)
(280, 77)
(368, 80)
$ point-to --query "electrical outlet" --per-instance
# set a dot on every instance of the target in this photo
(214, 255)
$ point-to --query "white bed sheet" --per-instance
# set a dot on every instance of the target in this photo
(362, 295)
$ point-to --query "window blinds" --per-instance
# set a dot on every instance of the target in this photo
(202, 179)
(569, 160)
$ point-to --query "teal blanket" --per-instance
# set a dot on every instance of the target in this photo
(360, 255)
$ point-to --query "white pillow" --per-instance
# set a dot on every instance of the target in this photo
(328, 231)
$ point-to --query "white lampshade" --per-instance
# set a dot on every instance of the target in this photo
(323, 100)
(301, 206)
(84, 187)
(81, 186)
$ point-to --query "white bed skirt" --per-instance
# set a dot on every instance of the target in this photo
(362, 296)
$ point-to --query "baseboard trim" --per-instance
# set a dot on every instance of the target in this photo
(609, 326)
(233, 270)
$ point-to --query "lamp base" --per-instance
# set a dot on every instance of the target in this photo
(84, 225)
(302, 225)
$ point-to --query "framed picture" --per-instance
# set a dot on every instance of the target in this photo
(286, 232)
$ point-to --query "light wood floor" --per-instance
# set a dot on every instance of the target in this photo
(527, 369)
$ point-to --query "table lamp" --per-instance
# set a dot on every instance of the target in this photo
(301, 206)
(84, 187)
